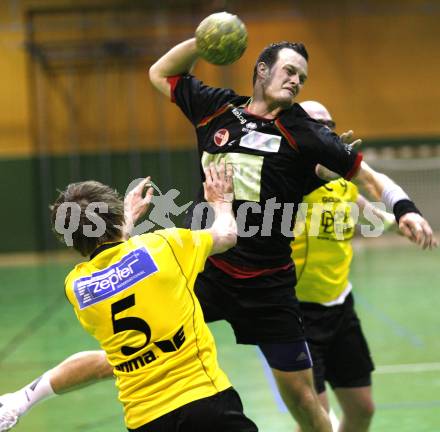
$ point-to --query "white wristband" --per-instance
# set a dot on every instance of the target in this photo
(393, 193)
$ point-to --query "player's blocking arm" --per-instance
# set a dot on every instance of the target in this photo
(136, 204)
(177, 61)
(219, 193)
(380, 187)
(366, 207)
(80, 370)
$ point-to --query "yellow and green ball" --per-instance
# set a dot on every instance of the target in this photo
(221, 38)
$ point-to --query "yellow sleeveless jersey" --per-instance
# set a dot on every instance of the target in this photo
(322, 249)
(137, 299)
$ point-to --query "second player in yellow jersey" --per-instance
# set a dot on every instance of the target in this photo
(323, 251)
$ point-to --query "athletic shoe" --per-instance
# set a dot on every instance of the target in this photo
(8, 415)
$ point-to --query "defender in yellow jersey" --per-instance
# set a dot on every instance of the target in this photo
(136, 297)
(154, 334)
(322, 258)
(322, 252)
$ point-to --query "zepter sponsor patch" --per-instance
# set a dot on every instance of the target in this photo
(130, 269)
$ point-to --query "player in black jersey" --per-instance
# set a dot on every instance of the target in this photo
(251, 286)
(274, 147)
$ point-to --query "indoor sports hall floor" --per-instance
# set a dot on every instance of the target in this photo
(397, 292)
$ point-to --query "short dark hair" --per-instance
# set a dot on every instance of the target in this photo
(83, 194)
(270, 54)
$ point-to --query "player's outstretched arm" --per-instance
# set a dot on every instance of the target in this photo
(136, 204)
(219, 192)
(381, 188)
(79, 370)
(179, 60)
(365, 207)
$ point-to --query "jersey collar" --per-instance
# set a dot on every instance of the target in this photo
(103, 247)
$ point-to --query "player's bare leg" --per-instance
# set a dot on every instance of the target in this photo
(357, 407)
(323, 398)
(296, 389)
(325, 403)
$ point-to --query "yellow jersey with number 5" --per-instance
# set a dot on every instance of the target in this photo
(322, 249)
(137, 299)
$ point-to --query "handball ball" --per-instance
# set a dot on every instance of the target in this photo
(221, 38)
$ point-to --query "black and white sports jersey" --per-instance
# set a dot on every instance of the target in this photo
(273, 162)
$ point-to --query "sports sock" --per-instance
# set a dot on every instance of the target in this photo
(24, 399)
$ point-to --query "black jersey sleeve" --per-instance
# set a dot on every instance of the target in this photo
(314, 182)
(318, 145)
(326, 148)
(197, 100)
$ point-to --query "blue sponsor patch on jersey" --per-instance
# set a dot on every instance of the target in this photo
(130, 269)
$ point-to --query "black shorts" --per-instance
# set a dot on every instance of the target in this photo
(222, 412)
(339, 349)
(260, 310)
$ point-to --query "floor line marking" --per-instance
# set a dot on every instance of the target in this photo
(407, 368)
(408, 405)
(29, 328)
(395, 326)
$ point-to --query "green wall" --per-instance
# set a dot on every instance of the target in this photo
(17, 215)
(29, 185)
